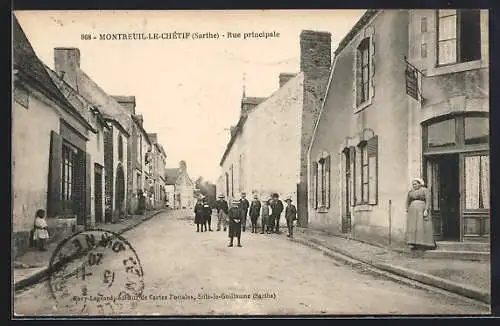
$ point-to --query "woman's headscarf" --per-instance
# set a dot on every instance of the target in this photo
(419, 180)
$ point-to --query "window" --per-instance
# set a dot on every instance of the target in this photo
(227, 185)
(477, 185)
(459, 36)
(67, 176)
(476, 130)
(321, 182)
(423, 50)
(423, 25)
(441, 134)
(120, 148)
(98, 138)
(367, 172)
(363, 72)
(139, 181)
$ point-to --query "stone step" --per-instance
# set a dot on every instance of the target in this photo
(456, 255)
(463, 246)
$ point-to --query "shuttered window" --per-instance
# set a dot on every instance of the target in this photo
(363, 68)
(372, 151)
(352, 171)
(54, 182)
(315, 183)
(69, 160)
(367, 172)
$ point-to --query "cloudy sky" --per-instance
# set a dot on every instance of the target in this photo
(189, 91)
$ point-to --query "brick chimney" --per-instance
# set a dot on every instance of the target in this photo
(66, 64)
(127, 102)
(249, 103)
(140, 118)
(285, 77)
(315, 62)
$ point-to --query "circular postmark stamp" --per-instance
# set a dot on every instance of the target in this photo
(95, 272)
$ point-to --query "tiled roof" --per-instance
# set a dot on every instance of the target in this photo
(28, 64)
(171, 175)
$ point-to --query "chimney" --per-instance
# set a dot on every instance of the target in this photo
(285, 77)
(315, 53)
(127, 102)
(66, 64)
(249, 103)
(140, 118)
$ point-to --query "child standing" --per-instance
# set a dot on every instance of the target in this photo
(41, 234)
(290, 216)
(235, 223)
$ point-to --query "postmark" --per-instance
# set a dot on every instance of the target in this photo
(95, 272)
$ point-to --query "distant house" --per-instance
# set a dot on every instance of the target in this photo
(179, 188)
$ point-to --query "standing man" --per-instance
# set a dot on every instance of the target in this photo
(207, 214)
(198, 215)
(266, 212)
(254, 212)
(277, 208)
(244, 205)
(234, 223)
(222, 210)
(290, 216)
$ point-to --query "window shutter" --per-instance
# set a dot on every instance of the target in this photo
(352, 188)
(54, 182)
(88, 185)
(359, 77)
(315, 183)
(357, 178)
(372, 148)
(327, 180)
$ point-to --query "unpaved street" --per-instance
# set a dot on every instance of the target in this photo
(185, 271)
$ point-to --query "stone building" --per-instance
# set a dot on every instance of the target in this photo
(156, 164)
(267, 151)
(50, 151)
(384, 123)
(67, 65)
(179, 188)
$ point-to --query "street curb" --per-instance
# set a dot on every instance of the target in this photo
(42, 274)
(402, 275)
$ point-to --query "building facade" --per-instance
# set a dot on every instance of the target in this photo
(50, 159)
(275, 132)
(373, 137)
(67, 65)
(179, 188)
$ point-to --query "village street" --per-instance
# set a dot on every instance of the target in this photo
(189, 268)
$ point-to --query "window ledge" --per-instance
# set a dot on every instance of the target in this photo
(362, 106)
(322, 209)
(456, 67)
(363, 208)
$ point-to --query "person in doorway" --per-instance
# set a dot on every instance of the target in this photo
(244, 205)
(419, 229)
(235, 223)
(265, 213)
(290, 216)
(222, 210)
(207, 215)
(254, 212)
(277, 208)
(198, 215)
(40, 235)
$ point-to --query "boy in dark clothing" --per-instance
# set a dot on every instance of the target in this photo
(198, 215)
(290, 216)
(277, 209)
(234, 223)
(254, 212)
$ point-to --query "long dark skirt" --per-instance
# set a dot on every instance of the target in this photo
(419, 231)
(198, 219)
(234, 229)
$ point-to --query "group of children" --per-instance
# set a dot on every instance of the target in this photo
(235, 216)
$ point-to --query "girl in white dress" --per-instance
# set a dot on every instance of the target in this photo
(41, 234)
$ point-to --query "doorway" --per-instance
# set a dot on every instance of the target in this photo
(443, 174)
(98, 193)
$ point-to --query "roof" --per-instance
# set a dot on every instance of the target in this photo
(234, 134)
(369, 14)
(27, 63)
(171, 176)
(116, 122)
(79, 102)
(253, 100)
(144, 132)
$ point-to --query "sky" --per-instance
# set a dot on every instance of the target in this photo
(188, 90)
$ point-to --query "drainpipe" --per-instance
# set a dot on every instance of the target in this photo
(390, 222)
